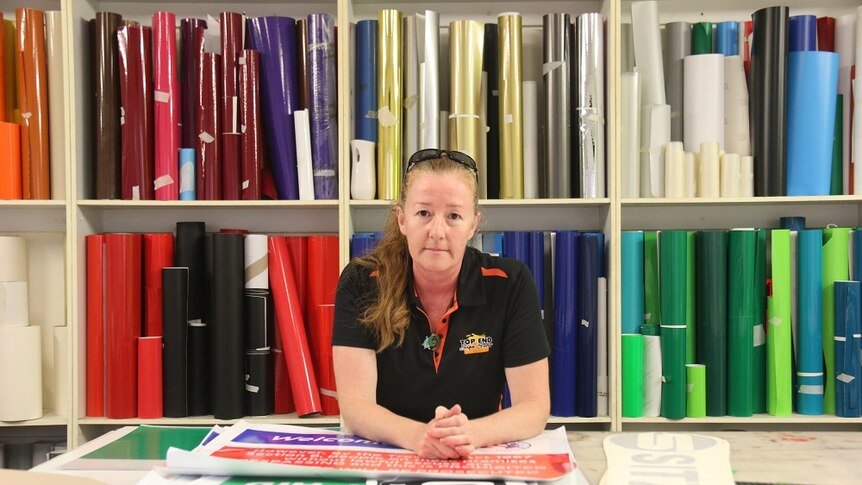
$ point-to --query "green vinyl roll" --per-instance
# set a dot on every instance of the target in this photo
(712, 317)
(779, 387)
(652, 293)
(673, 259)
(836, 183)
(701, 38)
(633, 375)
(673, 371)
(759, 330)
(740, 318)
(836, 266)
(695, 390)
(690, 302)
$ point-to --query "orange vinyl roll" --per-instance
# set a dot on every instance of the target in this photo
(10, 161)
(10, 93)
(33, 104)
(150, 377)
(322, 347)
(158, 254)
(303, 382)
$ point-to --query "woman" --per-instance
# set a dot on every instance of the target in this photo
(428, 330)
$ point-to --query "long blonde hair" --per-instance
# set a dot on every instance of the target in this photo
(389, 316)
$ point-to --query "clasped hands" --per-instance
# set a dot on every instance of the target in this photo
(449, 435)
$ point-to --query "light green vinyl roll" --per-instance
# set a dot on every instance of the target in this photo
(652, 292)
(695, 390)
(690, 300)
(779, 387)
(836, 266)
(633, 375)
(740, 318)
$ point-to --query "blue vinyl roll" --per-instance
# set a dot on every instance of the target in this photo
(809, 345)
(856, 242)
(516, 245)
(589, 271)
(812, 90)
(847, 349)
(564, 367)
(366, 80)
(727, 38)
(536, 263)
(492, 243)
(187, 174)
(361, 243)
(793, 223)
(632, 281)
(803, 33)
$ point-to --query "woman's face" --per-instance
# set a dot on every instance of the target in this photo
(438, 219)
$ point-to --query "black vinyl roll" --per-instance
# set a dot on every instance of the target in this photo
(175, 292)
(189, 252)
(489, 65)
(199, 369)
(260, 383)
(574, 104)
(259, 320)
(227, 349)
(768, 98)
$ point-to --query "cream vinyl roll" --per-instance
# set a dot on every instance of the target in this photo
(531, 140)
(362, 180)
(690, 175)
(591, 105)
(647, 46)
(845, 46)
(390, 100)
(602, 355)
(708, 170)
(703, 103)
(56, 103)
(20, 373)
(746, 176)
(511, 123)
(256, 261)
(62, 374)
(674, 170)
(655, 134)
(730, 179)
(857, 112)
(630, 114)
(14, 310)
(465, 89)
(411, 89)
(652, 376)
(428, 39)
(304, 165)
(737, 135)
(13, 258)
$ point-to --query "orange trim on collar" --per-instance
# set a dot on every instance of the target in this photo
(494, 272)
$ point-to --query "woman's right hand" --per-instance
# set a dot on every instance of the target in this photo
(430, 447)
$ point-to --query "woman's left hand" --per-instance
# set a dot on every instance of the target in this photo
(455, 431)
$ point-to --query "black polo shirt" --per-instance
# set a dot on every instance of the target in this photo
(494, 323)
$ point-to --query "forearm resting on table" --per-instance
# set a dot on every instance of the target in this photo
(521, 421)
(374, 422)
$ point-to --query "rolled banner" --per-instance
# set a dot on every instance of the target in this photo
(655, 134)
(673, 262)
(362, 179)
(227, 333)
(465, 57)
(711, 288)
(564, 364)
(187, 174)
(677, 48)
(136, 106)
(122, 323)
(779, 388)
(531, 140)
(192, 46)
(365, 114)
(96, 311)
(701, 38)
(54, 40)
(652, 371)
(803, 33)
(323, 103)
(10, 161)
(304, 163)
(730, 166)
(845, 46)
(14, 311)
(176, 355)
(589, 267)
(208, 144)
(256, 263)
(166, 109)
(632, 375)
(836, 263)
(709, 182)
(251, 140)
(703, 108)
(826, 34)
(106, 107)
(632, 258)
(259, 383)
(847, 349)
(303, 381)
(510, 122)
(630, 109)
(674, 170)
(150, 377)
(695, 391)
(21, 389)
(652, 300)
(727, 38)
(158, 254)
(232, 25)
(740, 321)
(555, 179)
(737, 137)
(390, 98)
(428, 37)
(648, 54)
(812, 90)
(809, 355)
(410, 135)
(33, 104)
(591, 107)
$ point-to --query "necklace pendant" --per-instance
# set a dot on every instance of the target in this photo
(431, 342)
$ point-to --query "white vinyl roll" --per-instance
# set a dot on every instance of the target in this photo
(630, 112)
(256, 261)
(62, 374)
(20, 373)
(708, 170)
(652, 376)
(411, 89)
(304, 170)
(602, 345)
(730, 179)
(444, 130)
(655, 134)
(674, 170)
(56, 103)
(857, 113)
(428, 39)
(14, 306)
(746, 176)
(845, 46)
(531, 139)
(690, 175)
(647, 46)
(737, 136)
(13, 258)
(363, 181)
(703, 100)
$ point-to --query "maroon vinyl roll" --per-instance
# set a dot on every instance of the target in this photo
(302, 62)
(826, 34)
(192, 46)
(231, 45)
(150, 377)
(249, 112)
(122, 324)
(135, 44)
(106, 106)
(208, 147)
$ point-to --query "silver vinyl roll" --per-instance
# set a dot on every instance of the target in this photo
(591, 105)
(555, 181)
(411, 88)
(428, 39)
(677, 45)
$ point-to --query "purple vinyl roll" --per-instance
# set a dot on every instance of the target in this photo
(323, 104)
(275, 39)
(191, 45)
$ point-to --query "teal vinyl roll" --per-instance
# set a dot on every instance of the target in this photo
(809, 357)
(847, 349)
(740, 319)
(632, 281)
(652, 292)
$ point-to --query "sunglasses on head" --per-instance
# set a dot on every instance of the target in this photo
(434, 153)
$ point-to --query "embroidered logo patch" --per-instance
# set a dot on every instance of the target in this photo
(476, 344)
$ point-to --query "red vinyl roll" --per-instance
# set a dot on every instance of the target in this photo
(303, 382)
(208, 149)
(826, 34)
(33, 104)
(322, 348)
(252, 136)
(167, 107)
(96, 325)
(123, 323)
(158, 254)
(232, 24)
(150, 377)
(10, 160)
(135, 44)
(283, 395)
(322, 273)
(298, 247)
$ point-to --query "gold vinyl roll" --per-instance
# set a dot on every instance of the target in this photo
(33, 104)
(10, 92)
(390, 95)
(511, 107)
(465, 89)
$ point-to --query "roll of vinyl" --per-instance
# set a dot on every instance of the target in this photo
(759, 325)
(589, 265)
(564, 363)
(187, 174)
(703, 108)
(324, 316)
(283, 396)
(6, 51)
(259, 383)
(227, 335)
(632, 281)
(648, 55)
(362, 243)
(768, 93)
(812, 90)
(779, 389)
(730, 166)
(96, 316)
(632, 375)
(695, 391)
(158, 254)
(166, 108)
(465, 57)
(301, 36)
(106, 110)
(258, 318)
(701, 38)
(275, 39)
(192, 46)
(304, 169)
(362, 179)
(9, 60)
(836, 263)
(655, 134)
(809, 355)
(847, 349)
(323, 102)
(33, 104)
(746, 175)
(175, 383)
(208, 144)
(652, 371)
(251, 139)
(20, 373)
(652, 299)
(365, 90)
(390, 98)
(836, 179)
(555, 180)
(492, 101)
(189, 253)
(602, 408)
(410, 135)
(510, 122)
(10, 161)
(677, 48)
(727, 38)
(232, 25)
(150, 377)
(198, 369)
(674, 170)
(690, 175)
(803, 33)
(54, 36)
(322, 274)
(740, 318)
(826, 34)
(630, 118)
(531, 139)
(428, 36)
(122, 323)
(300, 259)
(591, 109)
(14, 304)
(737, 138)
(627, 49)
(845, 46)
(690, 298)
(256, 263)
(673, 262)
(708, 170)
(712, 316)
(136, 106)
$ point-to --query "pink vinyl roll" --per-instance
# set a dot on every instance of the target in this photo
(166, 110)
